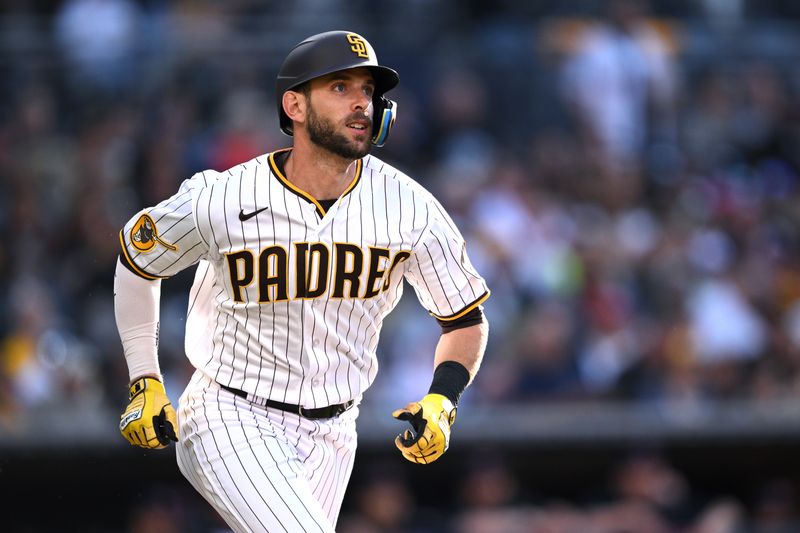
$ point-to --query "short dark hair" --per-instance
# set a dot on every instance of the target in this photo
(304, 88)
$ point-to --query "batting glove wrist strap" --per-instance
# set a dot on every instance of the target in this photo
(149, 421)
(429, 436)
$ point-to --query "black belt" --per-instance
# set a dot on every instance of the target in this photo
(312, 414)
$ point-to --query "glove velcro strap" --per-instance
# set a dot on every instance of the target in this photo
(140, 385)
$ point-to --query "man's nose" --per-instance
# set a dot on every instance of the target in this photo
(362, 102)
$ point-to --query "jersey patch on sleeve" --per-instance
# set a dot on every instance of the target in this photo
(144, 235)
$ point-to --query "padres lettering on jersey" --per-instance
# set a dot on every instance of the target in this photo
(289, 298)
(311, 271)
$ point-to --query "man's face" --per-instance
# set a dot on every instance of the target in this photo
(340, 112)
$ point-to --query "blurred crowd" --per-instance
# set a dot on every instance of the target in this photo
(626, 180)
(639, 493)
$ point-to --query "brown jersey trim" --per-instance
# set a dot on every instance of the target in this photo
(130, 265)
(458, 314)
(277, 169)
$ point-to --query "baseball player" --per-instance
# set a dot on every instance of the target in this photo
(300, 255)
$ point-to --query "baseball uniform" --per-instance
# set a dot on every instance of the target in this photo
(287, 306)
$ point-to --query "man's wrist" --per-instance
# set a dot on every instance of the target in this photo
(157, 377)
(450, 379)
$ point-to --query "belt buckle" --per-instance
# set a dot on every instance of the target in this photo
(300, 410)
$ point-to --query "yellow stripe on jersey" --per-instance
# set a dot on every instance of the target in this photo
(464, 311)
(300, 192)
(130, 262)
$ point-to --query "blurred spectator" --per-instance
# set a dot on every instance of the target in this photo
(721, 516)
(490, 498)
(41, 364)
(246, 116)
(540, 363)
(724, 15)
(100, 40)
(776, 507)
(165, 510)
(385, 504)
(706, 128)
(621, 76)
(647, 478)
(154, 518)
(724, 325)
(489, 483)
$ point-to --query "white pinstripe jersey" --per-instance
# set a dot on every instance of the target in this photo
(288, 299)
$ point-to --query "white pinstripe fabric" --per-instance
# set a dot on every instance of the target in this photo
(260, 468)
(310, 352)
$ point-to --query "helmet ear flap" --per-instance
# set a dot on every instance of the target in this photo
(385, 115)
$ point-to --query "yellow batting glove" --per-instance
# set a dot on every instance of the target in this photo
(149, 420)
(429, 436)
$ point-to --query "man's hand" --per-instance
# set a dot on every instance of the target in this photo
(149, 421)
(430, 420)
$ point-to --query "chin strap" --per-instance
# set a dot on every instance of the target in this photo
(384, 125)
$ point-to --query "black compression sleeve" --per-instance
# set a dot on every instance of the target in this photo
(470, 319)
(450, 379)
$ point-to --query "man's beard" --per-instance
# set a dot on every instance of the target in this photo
(323, 134)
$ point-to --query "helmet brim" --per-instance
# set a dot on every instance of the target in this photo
(386, 78)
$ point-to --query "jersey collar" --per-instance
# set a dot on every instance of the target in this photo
(276, 162)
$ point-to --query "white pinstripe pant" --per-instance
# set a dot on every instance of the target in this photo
(263, 469)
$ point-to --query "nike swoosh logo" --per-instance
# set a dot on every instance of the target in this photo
(247, 216)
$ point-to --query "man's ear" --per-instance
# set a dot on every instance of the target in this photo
(295, 105)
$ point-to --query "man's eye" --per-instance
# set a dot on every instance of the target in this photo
(369, 91)
(339, 87)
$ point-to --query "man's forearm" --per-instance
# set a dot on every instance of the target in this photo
(464, 346)
(136, 309)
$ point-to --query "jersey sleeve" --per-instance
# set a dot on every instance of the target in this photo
(440, 271)
(160, 241)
